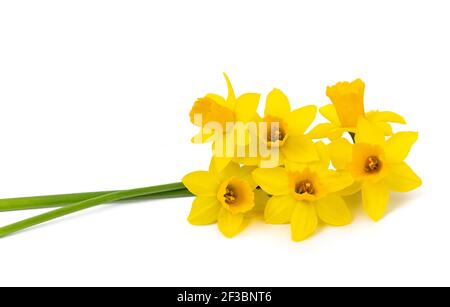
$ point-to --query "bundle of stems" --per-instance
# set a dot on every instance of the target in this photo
(70, 203)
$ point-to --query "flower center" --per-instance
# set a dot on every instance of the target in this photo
(372, 165)
(277, 131)
(303, 187)
(306, 185)
(276, 135)
(236, 195)
(230, 195)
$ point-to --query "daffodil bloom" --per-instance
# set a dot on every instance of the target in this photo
(284, 130)
(376, 164)
(224, 196)
(303, 194)
(347, 106)
(218, 119)
(286, 177)
(348, 99)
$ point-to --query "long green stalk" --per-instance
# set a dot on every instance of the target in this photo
(85, 204)
(50, 201)
(163, 195)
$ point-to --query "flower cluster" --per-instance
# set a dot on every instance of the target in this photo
(275, 166)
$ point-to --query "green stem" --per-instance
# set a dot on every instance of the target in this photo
(85, 204)
(163, 195)
(50, 201)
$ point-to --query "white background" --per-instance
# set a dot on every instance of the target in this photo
(95, 95)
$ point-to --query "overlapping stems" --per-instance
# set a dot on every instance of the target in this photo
(302, 176)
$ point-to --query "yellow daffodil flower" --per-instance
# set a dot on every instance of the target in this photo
(219, 118)
(285, 129)
(224, 196)
(348, 99)
(347, 106)
(303, 194)
(377, 165)
(286, 177)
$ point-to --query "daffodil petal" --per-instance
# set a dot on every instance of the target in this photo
(340, 153)
(369, 133)
(277, 104)
(321, 131)
(292, 166)
(323, 154)
(303, 221)
(352, 200)
(336, 181)
(272, 180)
(242, 138)
(272, 158)
(221, 146)
(399, 145)
(334, 211)
(329, 112)
(217, 98)
(337, 132)
(230, 224)
(246, 173)
(279, 209)
(203, 136)
(300, 119)
(385, 127)
(401, 178)
(230, 170)
(385, 116)
(352, 189)
(375, 197)
(300, 149)
(246, 106)
(231, 98)
(204, 211)
(249, 161)
(221, 162)
(328, 130)
(201, 183)
(261, 199)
